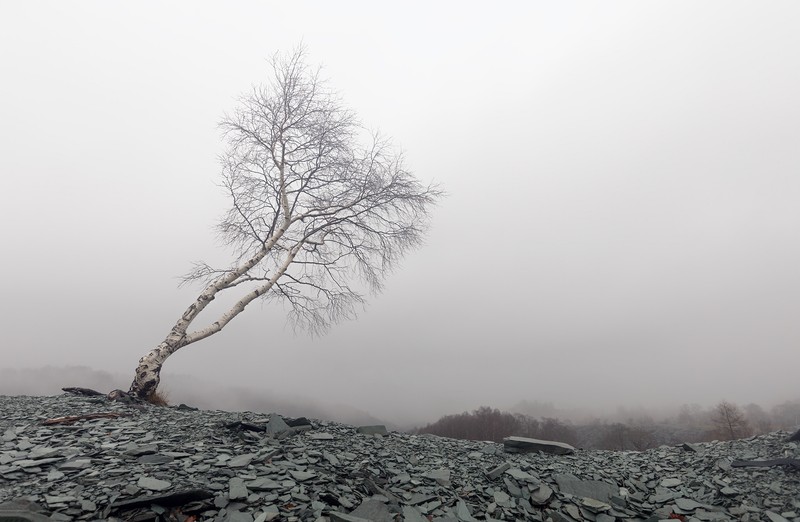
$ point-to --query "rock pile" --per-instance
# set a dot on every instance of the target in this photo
(153, 463)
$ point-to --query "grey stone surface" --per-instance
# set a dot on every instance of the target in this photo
(498, 471)
(526, 445)
(596, 489)
(276, 425)
(153, 484)
(378, 429)
(373, 510)
(113, 468)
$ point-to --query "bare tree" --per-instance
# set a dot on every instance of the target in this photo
(320, 212)
(729, 421)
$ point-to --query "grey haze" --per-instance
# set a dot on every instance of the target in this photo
(622, 225)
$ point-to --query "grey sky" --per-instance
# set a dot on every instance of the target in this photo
(622, 227)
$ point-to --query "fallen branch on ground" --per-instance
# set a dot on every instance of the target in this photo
(86, 416)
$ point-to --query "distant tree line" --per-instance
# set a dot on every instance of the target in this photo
(491, 424)
(723, 421)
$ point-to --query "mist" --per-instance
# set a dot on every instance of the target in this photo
(621, 226)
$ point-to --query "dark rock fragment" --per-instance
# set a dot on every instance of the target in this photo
(276, 425)
(300, 421)
(179, 498)
(378, 429)
(526, 445)
(86, 392)
(22, 511)
(595, 489)
(373, 510)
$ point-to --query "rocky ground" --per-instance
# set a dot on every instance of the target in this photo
(152, 463)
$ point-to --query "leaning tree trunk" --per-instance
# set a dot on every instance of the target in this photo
(148, 373)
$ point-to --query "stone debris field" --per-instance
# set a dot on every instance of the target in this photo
(116, 461)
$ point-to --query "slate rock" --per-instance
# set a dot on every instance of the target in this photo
(299, 421)
(373, 510)
(441, 476)
(412, 514)
(526, 445)
(521, 475)
(276, 425)
(241, 461)
(413, 476)
(598, 490)
(498, 471)
(22, 511)
(541, 495)
(153, 484)
(671, 482)
(237, 489)
(377, 429)
(154, 459)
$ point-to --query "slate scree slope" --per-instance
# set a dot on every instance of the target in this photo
(85, 458)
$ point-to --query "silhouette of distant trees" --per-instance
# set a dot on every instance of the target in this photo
(729, 421)
(487, 423)
(693, 423)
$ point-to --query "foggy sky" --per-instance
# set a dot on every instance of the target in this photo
(622, 225)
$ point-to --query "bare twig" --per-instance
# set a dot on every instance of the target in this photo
(86, 416)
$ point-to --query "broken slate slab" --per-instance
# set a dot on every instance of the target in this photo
(497, 472)
(378, 429)
(241, 461)
(526, 445)
(276, 424)
(153, 484)
(22, 511)
(373, 510)
(441, 476)
(596, 489)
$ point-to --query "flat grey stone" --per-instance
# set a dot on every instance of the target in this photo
(263, 484)
(237, 489)
(377, 429)
(687, 504)
(276, 425)
(138, 451)
(498, 471)
(302, 476)
(729, 491)
(238, 516)
(671, 482)
(241, 461)
(526, 445)
(412, 514)
(81, 463)
(541, 495)
(463, 513)
(154, 459)
(501, 498)
(441, 476)
(153, 484)
(595, 489)
(373, 510)
(521, 475)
